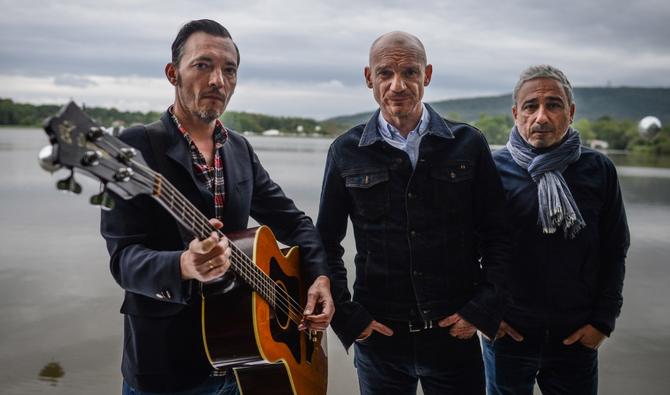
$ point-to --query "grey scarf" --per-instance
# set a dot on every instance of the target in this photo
(556, 207)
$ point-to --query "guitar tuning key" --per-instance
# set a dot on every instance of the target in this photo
(126, 154)
(103, 200)
(91, 158)
(69, 184)
(95, 133)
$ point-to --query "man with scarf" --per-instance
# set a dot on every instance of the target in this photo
(567, 216)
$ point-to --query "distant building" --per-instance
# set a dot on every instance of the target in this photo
(271, 132)
(599, 144)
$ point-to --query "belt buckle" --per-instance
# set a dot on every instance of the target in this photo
(418, 326)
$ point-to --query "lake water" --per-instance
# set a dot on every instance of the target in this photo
(61, 331)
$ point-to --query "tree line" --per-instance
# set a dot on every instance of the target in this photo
(21, 114)
(620, 134)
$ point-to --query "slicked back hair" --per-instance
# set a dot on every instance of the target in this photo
(201, 25)
(544, 71)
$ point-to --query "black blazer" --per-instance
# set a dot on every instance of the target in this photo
(163, 348)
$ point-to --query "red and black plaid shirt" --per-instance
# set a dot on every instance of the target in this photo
(212, 176)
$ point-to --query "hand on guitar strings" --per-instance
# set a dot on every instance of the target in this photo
(319, 308)
(207, 259)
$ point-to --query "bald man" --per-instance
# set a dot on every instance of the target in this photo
(426, 205)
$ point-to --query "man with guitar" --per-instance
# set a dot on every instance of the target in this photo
(161, 267)
(426, 205)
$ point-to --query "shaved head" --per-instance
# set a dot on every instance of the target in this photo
(400, 39)
(397, 74)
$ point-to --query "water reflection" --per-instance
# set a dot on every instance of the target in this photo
(52, 373)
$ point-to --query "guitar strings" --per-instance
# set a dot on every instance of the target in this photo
(205, 226)
(247, 268)
(284, 302)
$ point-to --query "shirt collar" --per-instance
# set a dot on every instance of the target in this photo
(220, 132)
(390, 132)
(434, 125)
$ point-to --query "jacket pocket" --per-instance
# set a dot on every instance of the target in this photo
(369, 193)
(452, 191)
(454, 171)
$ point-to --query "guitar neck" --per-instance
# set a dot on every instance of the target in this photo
(199, 226)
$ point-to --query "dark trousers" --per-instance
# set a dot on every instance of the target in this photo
(512, 367)
(445, 365)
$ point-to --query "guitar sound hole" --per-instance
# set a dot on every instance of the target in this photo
(281, 309)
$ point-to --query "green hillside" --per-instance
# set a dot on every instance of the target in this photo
(592, 103)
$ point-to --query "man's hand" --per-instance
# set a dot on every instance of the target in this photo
(320, 308)
(206, 259)
(460, 328)
(505, 329)
(588, 336)
(375, 326)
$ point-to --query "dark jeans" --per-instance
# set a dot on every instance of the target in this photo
(512, 367)
(445, 365)
(221, 385)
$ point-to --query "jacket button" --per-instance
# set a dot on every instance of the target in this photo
(160, 296)
(412, 233)
(452, 175)
(426, 311)
(410, 195)
(417, 273)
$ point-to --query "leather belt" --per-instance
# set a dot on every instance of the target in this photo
(418, 326)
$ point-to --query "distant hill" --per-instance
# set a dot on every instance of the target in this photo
(592, 103)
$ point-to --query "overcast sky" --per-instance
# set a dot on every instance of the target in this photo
(305, 58)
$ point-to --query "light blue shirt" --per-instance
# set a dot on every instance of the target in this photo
(409, 144)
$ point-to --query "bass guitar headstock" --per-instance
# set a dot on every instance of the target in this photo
(78, 142)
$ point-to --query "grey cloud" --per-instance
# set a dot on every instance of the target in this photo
(474, 46)
(74, 81)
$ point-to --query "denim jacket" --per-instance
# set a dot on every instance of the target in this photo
(430, 241)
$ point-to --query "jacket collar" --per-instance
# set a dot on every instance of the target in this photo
(179, 152)
(437, 126)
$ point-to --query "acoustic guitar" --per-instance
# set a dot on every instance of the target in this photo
(250, 316)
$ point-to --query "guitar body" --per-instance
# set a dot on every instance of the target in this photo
(241, 330)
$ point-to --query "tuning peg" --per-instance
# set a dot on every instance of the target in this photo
(124, 174)
(95, 133)
(69, 184)
(47, 159)
(103, 200)
(126, 154)
(91, 158)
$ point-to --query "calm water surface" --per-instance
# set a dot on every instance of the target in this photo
(61, 331)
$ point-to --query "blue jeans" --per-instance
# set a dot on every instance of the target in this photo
(512, 367)
(445, 365)
(221, 385)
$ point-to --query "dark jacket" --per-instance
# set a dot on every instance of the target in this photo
(420, 234)
(163, 348)
(555, 282)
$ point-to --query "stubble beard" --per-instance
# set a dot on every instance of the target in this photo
(207, 116)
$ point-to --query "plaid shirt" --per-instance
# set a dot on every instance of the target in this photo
(212, 176)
